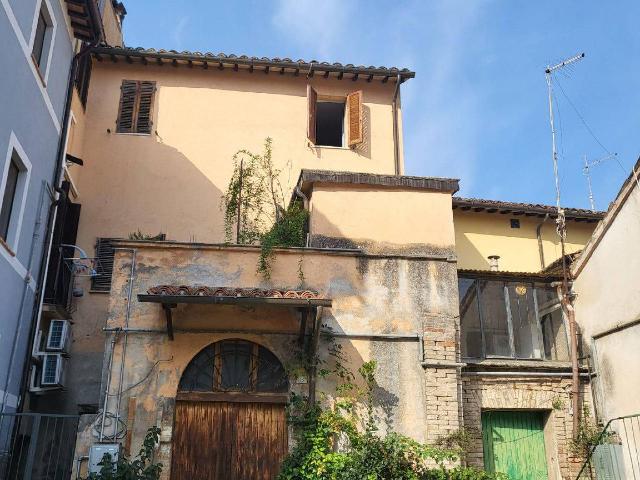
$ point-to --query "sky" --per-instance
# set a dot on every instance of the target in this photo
(478, 108)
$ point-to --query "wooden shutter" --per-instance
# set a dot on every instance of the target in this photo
(312, 100)
(126, 112)
(146, 92)
(354, 106)
(105, 255)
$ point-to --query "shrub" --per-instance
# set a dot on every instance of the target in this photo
(335, 443)
(140, 468)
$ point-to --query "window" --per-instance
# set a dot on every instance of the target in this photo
(13, 189)
(515, 223)
(511, 319)
(136, 103)
(330, 119)
(42, 39)
(234, 366)
(8, 198)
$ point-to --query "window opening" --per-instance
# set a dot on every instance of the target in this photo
(234, 366)
(8, 198)
(330, 124)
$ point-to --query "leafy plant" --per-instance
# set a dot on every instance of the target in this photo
(589, 435)
(334, 442)
(254, 204)
(141, 467)
(138, 235)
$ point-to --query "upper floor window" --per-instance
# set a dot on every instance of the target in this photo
(513, 319)
(136, 106)
(334, 122)
(42, 39)
(13, 188)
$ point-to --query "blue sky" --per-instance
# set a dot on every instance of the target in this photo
(477, 109)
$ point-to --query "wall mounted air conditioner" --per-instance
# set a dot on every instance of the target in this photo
(53, 370)
(59, 336)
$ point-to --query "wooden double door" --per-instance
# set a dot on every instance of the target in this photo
(223, 440)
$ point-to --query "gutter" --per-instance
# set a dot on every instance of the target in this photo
(396, 133)
(539, 237)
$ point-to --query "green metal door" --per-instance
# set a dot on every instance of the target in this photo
(514, 444)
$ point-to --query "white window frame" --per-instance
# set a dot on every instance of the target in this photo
(50, 36)
(22, 189)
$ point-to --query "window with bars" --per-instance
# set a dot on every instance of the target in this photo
(135, 113)
(511, 319)
(234, 366)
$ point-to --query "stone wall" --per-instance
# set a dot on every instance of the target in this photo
(550, 395)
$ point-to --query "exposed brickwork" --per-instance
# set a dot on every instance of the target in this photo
(551, 395)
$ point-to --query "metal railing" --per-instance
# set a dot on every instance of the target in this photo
(616, 453)
(35, 446)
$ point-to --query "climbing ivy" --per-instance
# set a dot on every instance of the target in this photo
(341, 440)
(254, 207)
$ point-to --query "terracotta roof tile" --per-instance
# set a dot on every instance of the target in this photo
(196, 290)
(529, 209)
(232, 59)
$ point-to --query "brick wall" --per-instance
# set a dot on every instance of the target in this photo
(548, 394)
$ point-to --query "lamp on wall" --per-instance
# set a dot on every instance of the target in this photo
(493, 262)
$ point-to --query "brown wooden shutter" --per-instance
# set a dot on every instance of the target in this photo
(312, 100)
(144, 118)
(354, 105)
(128, 94)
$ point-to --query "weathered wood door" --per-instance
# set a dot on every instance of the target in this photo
(513, 443)
(228, 440)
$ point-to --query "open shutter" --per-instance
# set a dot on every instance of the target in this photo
(354, 105)
(146, 93)
(312, 100)
(128, 92)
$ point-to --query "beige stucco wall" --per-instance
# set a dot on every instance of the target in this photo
(480, 234)
(391, 218)
(172, 181)
(370, 296)
(111, 25)
(608, 295)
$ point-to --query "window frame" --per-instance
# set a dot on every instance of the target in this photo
(16, 153)
(538, 312)
(43, 7)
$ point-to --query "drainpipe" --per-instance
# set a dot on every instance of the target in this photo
(539, 237)
(57, 181)
(396, 133)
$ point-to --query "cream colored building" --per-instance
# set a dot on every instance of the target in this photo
(379, 269)
(608, 311)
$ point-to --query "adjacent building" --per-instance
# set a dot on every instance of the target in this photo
(608, 311)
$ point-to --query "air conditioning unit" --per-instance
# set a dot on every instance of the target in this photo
(59, 336)
(53, 370)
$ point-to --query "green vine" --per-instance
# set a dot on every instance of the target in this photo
(339, 439)
(254, 207)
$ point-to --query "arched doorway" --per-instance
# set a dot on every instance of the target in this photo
(230, 421)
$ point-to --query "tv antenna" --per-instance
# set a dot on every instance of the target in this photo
(561, 228)
(587, 173)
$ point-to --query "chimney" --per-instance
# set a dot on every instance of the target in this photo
(493, 262)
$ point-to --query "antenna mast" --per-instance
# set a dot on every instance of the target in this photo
(587, 172)
(562, 233)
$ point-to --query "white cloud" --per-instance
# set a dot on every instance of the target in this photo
(177, 34)
(442, 104)
(315, 26)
